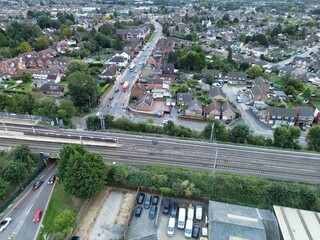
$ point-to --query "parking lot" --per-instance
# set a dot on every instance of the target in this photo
(145, 228)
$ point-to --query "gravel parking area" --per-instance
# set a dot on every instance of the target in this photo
(107, 215)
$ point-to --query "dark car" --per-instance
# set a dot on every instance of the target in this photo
(52, 179)
(147, 201)
(155, 200)
(77, 238)
(37, 184)
(174, 210)
(138, 211)
(140, 198)
(196, 231)
(117, 90)
(153, 212)
(166, 207)
(110, 98)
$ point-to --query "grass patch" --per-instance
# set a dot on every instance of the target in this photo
(317, 104)
(60, 201)
(152, 36)
(104, 88)
(232, 84)
(290, 104)
(275, 79)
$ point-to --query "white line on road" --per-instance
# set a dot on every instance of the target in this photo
(29, 209)
(17, 203)
(17, 228)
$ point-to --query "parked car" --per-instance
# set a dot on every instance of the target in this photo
(166, 207)
(140, 198)
(52, 179)
(5, 223)
(196, 231)
(147, 201)
(117, 90)
(199, 212)
(122, 82)
(155, 200)
(37, 184)
(77, 238)
(174, 210)
(153, 212)
(37, 216)
(171, 225)
(138, 211)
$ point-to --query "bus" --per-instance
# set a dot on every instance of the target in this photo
(132, 66)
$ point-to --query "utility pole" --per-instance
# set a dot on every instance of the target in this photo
(215, 162)
(211, 135)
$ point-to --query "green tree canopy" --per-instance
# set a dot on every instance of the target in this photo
(77, 66)
(240, 134)
(254, 72)
(286, 136)
(25, 47)
(313, 138)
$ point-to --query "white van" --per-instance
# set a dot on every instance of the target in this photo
(170, 228)
(190, 212)
(182, 218)
(199, 212)
(239, 99)
(188, 230)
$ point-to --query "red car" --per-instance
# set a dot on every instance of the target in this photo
(110, 98)
(122, 82)
(37, 216)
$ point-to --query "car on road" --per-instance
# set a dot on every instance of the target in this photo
(4, 223)
(138, 211)
(147, 202)
(174, 210)
(77, 238)
(37, 216)
(153, 212)
(122, 82)
(199, 212)
(110, 98)
(155, 200)
(52, 179)
(140, 198)
(165, 121)
(117, 90)
(37, 184)
(196, 231)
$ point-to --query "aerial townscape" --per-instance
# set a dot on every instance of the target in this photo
(159, 119)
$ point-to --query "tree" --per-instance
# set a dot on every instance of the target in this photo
(77, 66)
(14, 172)
(254, 72)
(209, 80)
(25, 47)
(169, 127)
(150, 121)
(42, 43)
(307, 93)
(83, 90)
(95, 21)
(64, 222)
(244, 66)
(286, 136)
(25, 76)
(119, 172)
(22, 154)
(229, 58)
(313, 138)
(226, 17)
(84, 174)
(220, 132)
(240, 134)
(279, 193)
(4, 189)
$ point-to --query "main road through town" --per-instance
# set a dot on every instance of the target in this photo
(263, 162)
(23, 209)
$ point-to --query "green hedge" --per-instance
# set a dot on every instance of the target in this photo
(230, 188)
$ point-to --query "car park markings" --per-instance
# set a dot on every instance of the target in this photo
(17, 228)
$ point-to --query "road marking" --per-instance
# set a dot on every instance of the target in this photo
(17, 203)
(29, 209)
(17, 228)
(39, 193)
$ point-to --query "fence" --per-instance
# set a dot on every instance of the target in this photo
(25, 117)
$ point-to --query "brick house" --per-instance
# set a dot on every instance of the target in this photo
(277, 116)
(183, 99)
(154, 83)
(213, 110)
(216, 93)
(216, 74)
(237, 77)
(145, 103)
(228, 111)
(261, 83)
(138, 91)
(305, 115)
(194, 108)
(258, 94)
(51, 88)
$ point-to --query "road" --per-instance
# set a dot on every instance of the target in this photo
(120, 101)
(22, 210)
(248, 160)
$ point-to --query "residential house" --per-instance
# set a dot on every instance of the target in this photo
(261, 83)
(305, 116)
(228, 111)
(119, 61)
(126, 55)
(183, 99)
(165, 44)
(299, 73)
(147, 71)
(110, 72)
(167, 68)
(138, 91)
(216, 93)
(134, 32)
(258, 94)
(213, 110)
(216, 74)
(277, 116)
(156, 61)
(62, 46)
(194, 108)
(51, 88)
(145, 103)
(286, 70)
(154, 83)
(317, 115)
(237, 77)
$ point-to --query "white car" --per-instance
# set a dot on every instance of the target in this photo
(4, 223)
